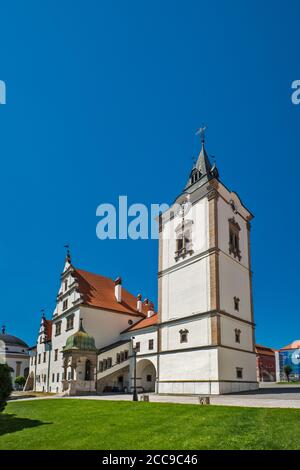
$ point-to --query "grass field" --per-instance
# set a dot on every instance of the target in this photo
(91, 424)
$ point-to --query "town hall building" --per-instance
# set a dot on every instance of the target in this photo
(200, 340)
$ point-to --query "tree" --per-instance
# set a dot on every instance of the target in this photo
(20, 381)
(287, 370)
(5, 385)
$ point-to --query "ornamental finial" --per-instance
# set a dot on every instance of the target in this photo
(201, 132)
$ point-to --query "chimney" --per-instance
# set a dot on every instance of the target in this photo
(118, 289)
(139, 303)
(151, 310)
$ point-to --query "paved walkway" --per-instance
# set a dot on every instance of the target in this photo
(268, 396)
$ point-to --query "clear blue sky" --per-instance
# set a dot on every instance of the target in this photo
(103, 98)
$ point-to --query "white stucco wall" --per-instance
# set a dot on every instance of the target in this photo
(186, 290)
(229, 360)
(199, 334)
(228, 327)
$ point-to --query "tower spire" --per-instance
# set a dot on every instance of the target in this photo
(68, 253)
(203, 170)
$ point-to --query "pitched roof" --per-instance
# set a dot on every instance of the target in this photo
(143, 323)
(99, 292)
(294, 345)
(264, 350)
(205, 169)
(48, 329)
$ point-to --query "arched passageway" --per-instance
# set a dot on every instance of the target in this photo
(146, 375)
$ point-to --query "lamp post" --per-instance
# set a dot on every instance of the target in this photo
(134, 352)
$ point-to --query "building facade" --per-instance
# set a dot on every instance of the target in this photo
(201, 340)
(288, 356)
(265, 364)
(15, 353)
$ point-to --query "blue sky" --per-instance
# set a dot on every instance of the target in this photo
(103, 99)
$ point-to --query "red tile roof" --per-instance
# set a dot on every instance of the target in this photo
(144, 323)
(264, 350)
(99, 292)
(294, 345)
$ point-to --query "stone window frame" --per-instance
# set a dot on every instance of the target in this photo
(65, 305)
(58, 328)
(234, 238)
(237, 333)
(70, 322)
(236, 303)
(184, 244)
(184, 336)
(239, 372)
(151, 344)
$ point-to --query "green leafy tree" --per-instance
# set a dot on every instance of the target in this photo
(5, 385)
(20, 381)
(287, 370)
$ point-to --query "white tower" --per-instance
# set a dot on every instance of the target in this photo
(206, 327)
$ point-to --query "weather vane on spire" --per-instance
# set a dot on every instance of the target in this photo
(201, 132)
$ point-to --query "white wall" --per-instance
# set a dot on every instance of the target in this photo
(189, 365)
(228, 327)
(199, 334)
(186, 290)
(229, 360)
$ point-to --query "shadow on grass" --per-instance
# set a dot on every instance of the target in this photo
(10, 423)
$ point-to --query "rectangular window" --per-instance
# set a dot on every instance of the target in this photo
(56, 354)
(101, 366)
(44, 357)
(57, 377)
(66, 285)
(138, 346)
(109, 362)
(236, 302)
(122, 356)
(151, 344)
(70, 322)
(149, 378)
(65, 304)
(104, 364)
(118, 358)
(58, 328)
(237, 335)
(39, 359)
(53, 377)
(239, 373)
(234, 239)
(126, 355)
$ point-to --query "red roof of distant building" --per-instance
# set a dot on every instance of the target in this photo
(144, 323)
(294, 345)
(264, 350)
(99, 292)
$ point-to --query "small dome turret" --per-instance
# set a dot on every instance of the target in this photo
(80, 341)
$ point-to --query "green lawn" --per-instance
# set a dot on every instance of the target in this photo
(91, 424)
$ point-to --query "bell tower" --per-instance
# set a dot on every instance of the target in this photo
(206, 326)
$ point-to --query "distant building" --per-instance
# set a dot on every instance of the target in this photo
(14, 353)
(289, 355)
(265, 363)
